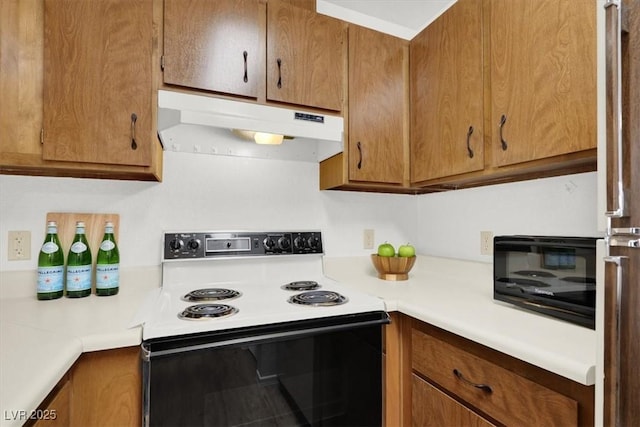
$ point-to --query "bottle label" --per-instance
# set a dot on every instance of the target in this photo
(107, 276)
(49, 248)
(78, 247)
(50, 279)
(107, 245)
(78, 277)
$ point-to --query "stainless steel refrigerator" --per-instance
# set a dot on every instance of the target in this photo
(621, 319)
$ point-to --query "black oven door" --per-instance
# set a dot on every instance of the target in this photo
(321, 372)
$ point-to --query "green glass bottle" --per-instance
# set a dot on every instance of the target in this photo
(50, 266)
(79, 265)
(108, 264)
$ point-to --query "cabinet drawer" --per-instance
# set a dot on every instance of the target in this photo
(495, 391)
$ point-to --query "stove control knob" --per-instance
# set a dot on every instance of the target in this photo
(313, 242)
(284, 243)
(176, 244)
(269, 243)
(194, 244)
(299, 242)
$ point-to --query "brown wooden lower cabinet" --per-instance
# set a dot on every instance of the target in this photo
(103, 388)
(447, 380)
(433, 408)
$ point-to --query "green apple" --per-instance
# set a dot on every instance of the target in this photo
(406, 251)
(386, 249)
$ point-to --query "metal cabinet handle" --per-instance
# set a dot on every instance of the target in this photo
(469, 133)
(503, 120)
(484, 387)
(359, 155)
(246, 75)
(614, 105)
(279, 62)
(134, 119)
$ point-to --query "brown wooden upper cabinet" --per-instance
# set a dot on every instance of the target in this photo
(377, 119)
(214, 45)
(98, 90)
(447, 115)
(280, 52)
(504, 88)
(78, 88)
(377, 106)
(543, 78)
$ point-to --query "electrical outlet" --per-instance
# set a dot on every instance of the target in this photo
(19, 245)
(486, 243)
(367, 238)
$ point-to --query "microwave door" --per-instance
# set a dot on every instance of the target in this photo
(621, 319)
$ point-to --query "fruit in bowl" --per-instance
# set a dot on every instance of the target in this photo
(392, 267)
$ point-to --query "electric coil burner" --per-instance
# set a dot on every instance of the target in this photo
(211, 294)
(206, 311)
(318, 298)
(301, 285)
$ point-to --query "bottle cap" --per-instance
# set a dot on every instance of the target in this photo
(52, 224)
(108, 224)
(80, 224)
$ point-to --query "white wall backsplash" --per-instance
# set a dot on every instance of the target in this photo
(449, 223)
(206, 192)
(218, 193)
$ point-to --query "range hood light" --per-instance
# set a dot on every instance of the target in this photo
(268, 138)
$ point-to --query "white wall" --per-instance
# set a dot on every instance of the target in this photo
(205, 192)
(214, 192)
(449, 223)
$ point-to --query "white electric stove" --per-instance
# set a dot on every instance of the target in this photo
(222, 280)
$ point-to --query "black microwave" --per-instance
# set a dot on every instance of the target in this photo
(555, 276)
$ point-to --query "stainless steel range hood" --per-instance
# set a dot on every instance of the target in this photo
(202, 124)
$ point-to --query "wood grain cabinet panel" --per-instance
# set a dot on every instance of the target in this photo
(305, 57)
(376, 106)
(503, 395)
(543, 78)
(73, 73)
(214, 45)
(98, 81)
(433, 408)
(446, 74)
(107, 388)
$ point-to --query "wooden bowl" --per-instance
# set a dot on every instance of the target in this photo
(393, 267)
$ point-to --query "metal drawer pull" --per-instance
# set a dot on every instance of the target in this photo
(279, 62)
(246, 76)
(469, 142)
(359, 154)
(503, 120)
(134, 119)
(483, 387)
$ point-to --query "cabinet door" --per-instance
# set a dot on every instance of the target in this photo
(543, 78)
(447, 95)
(98, 81)
(305, 57)
(214, 45)
(107, 388)
(432, 408)
(377, 106)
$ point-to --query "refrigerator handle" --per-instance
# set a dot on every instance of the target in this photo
(612, 341)
(614, 107)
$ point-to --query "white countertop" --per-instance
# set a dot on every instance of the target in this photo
(40, 340)
(458, 296)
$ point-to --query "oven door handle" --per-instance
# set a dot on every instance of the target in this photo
(246, 337)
